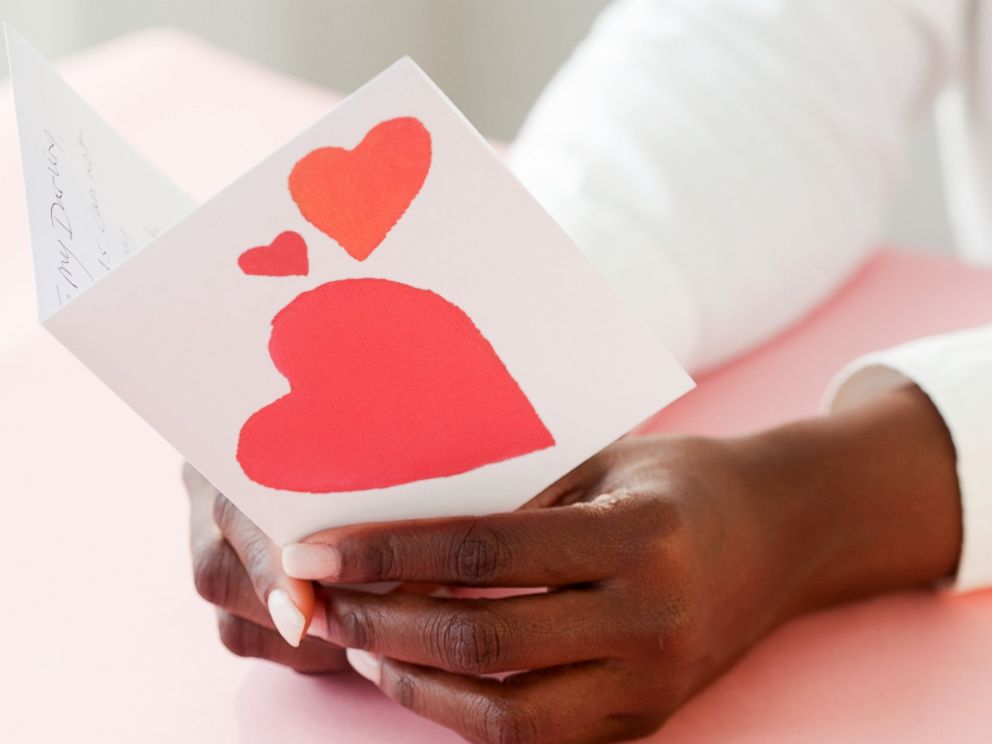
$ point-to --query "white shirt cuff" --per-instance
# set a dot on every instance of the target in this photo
(955, 371)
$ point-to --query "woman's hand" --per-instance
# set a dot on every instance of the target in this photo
(661, 574)
(237, 568)
(666, 560)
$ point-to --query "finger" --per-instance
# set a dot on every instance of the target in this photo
(203, 529)
(218, 574)
(473, 636)
(244, 638)
(567, 703)
(581, 543)
(222, 581)
(289, 601)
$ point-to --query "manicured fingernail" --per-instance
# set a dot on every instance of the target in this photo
(286, 616)
(366, 664)
(312, 562)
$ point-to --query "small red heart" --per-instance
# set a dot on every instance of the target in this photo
(357, 196)
(284, 256)
(389, 384)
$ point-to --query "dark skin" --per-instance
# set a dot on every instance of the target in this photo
(666, 559)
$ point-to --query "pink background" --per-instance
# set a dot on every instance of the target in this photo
(104, 638)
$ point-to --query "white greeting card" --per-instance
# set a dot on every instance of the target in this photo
(377, 322)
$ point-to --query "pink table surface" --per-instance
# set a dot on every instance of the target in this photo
(103, 637)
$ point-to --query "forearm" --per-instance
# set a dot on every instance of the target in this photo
(859, 502)
(710, 156)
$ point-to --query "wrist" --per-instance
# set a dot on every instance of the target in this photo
(857, 503)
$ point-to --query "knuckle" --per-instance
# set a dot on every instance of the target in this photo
(660, 520)
(405, 691)
(679, 631)
(256, 556)
(356, 628)
(678, 555)
(209, 578)
(224, 513)
(480, 554)
(473, 644)
(664, 528)
(506, 722)
(615, 516)
(373, 560)
(236, 636)
(670, 517)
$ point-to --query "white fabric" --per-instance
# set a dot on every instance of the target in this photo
(727, 163)
(964, 119)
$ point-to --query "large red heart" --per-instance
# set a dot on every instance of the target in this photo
(284, 256)
(357, 196)
(389, 384)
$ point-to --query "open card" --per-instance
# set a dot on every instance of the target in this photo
(377, 322)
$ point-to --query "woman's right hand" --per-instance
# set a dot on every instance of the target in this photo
(261, 612)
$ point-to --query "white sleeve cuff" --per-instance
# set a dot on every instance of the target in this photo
(955, 371)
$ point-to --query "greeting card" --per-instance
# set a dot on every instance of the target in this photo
(376, 322)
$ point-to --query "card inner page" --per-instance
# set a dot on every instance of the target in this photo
(93, 201)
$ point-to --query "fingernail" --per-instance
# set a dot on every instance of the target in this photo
(308, 561)
(366, 664)
(286, 616)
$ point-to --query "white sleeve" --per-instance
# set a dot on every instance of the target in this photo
(727, 163)
(955, 371)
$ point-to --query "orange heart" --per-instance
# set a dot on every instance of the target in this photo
(357, 196)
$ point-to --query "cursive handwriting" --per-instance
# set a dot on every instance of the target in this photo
(67, 259)
(57, 213)
(95, 209)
